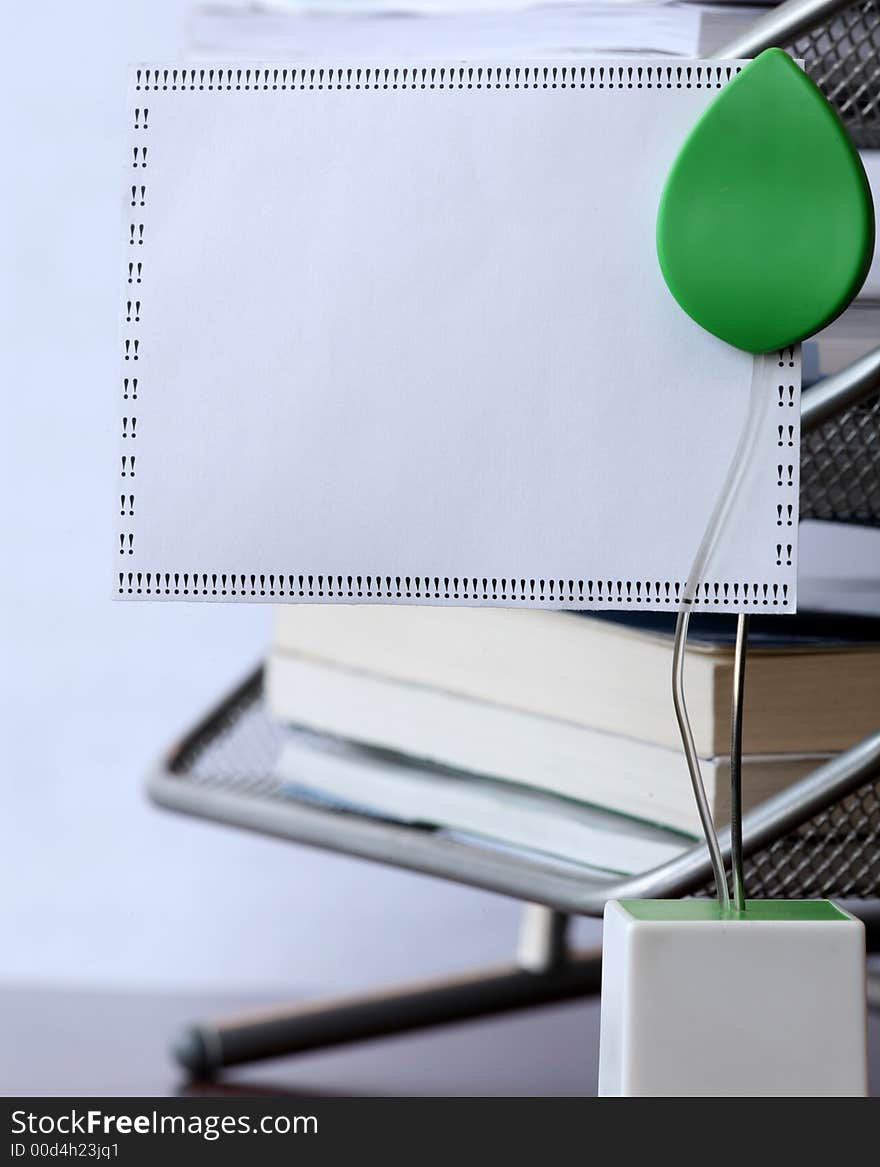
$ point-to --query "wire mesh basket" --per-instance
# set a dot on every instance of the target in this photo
(840, 467)
(833, 855)
(840, 46)
(836, 853)
(842, 55)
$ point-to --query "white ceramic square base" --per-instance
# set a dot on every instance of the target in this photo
(770, 1001)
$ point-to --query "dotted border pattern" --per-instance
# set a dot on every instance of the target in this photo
(787, 426)
(574, 592)
(263, 78)
(133, 305)
(571, 592)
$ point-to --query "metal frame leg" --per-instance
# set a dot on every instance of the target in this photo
(544, 973)
(873, 984)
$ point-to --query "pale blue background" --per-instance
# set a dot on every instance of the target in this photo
(98, 887)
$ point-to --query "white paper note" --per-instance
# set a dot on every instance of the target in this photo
(400, 335)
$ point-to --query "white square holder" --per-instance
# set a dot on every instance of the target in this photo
(695, 1001)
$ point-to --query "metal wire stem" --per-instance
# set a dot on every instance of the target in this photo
(692, 758)
(736, 725)
(712, 536)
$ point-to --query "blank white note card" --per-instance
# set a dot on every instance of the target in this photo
(399, 335)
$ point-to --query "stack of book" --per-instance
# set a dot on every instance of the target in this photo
(489, 719)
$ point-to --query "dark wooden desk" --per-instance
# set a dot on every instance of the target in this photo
(62, 1042)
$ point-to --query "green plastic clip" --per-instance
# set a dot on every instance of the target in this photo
(765, 230)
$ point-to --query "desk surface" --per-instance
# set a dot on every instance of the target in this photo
(63, 1042)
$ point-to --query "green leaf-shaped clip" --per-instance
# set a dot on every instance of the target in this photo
(766, 227)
